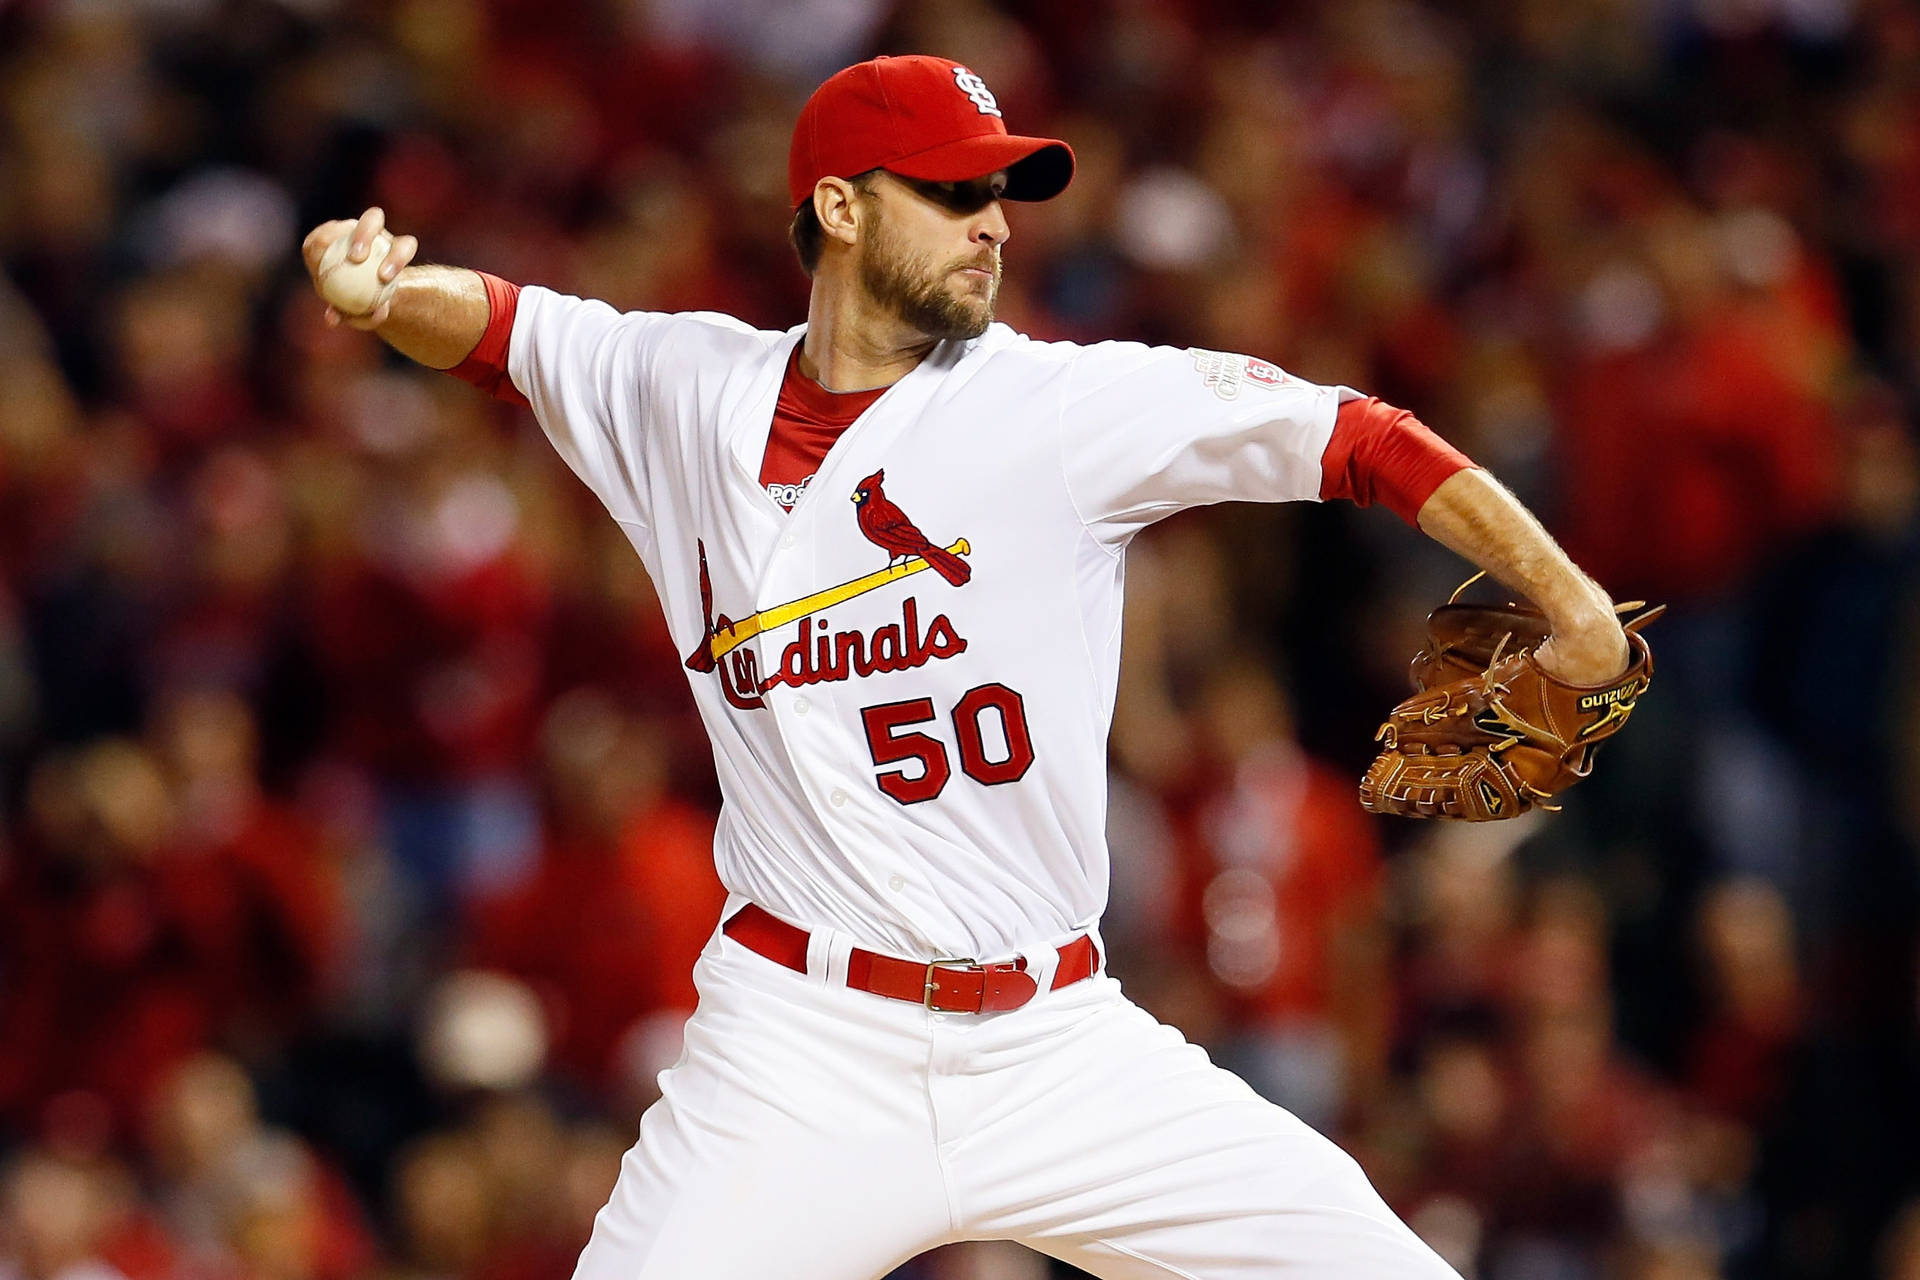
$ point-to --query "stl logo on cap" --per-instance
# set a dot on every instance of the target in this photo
(976, 88)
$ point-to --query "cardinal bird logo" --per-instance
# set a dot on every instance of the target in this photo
(888, 528)
(817, 652)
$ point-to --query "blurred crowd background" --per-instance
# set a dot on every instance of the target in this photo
(354, 852)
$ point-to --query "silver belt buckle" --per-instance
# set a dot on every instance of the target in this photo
(926, 997)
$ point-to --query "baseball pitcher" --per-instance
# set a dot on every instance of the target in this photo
(890, 543)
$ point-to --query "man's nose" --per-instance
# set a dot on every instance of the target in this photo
(992, 227)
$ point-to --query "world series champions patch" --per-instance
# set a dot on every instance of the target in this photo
(1226, 372)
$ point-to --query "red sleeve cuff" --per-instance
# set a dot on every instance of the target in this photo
(486, 365)
(1382, 454)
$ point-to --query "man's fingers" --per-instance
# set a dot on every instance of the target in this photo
(315, 246)
(371, 224)
(404, 247)
(371, 320)
(360, 233)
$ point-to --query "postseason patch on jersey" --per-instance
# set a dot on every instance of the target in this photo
(787, 494)
(1225, 372)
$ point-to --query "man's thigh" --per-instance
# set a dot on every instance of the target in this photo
(1135, 1158)
(785, 1143)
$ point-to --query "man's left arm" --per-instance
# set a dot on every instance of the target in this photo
(1381, 455)
(1475, 516)
(1148, 431)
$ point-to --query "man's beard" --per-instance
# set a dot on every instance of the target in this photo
(915, 291)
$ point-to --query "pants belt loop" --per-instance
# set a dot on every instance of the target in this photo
(834, 947)
(1042, 964)
(1099, 946)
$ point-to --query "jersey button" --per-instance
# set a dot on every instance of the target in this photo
(786, 541)
(896, 883)
(838, 797)
(801, 705)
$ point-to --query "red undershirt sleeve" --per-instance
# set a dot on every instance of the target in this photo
(1382, 454)
(486, 365)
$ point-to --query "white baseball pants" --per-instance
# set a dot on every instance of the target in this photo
(813, 1132)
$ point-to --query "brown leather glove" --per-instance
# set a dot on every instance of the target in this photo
(1489, 734)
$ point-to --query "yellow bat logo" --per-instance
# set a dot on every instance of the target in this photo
(728, 638)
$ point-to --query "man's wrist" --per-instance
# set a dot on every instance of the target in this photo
(1596, 624)
(1582, 608)
(1588, 652)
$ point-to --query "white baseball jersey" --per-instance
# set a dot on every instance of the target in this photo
(912, 753)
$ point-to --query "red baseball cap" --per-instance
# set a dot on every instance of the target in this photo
(919, 117)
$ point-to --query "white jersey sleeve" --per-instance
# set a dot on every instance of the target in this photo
(594, 377)
(1148, 431)
(584, 367)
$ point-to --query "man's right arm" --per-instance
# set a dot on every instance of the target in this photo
(437, 315)
(583, 368)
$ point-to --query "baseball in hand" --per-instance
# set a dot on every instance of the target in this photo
(354, 288)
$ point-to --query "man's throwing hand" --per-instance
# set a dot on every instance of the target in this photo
(359, 236)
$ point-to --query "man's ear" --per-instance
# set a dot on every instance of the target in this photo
(834, 201)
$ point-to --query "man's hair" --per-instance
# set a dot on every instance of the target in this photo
(808, 237)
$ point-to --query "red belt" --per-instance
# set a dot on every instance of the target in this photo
(945, 986)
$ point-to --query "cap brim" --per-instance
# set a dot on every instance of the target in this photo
(1037, 168)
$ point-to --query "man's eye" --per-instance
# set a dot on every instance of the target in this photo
(961, 197)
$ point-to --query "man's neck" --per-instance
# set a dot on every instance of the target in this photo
(852, 343)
